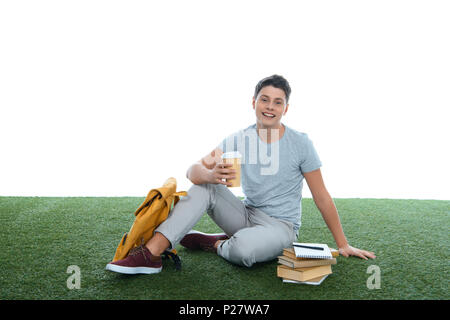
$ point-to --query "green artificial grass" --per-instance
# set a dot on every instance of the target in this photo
(41, 237)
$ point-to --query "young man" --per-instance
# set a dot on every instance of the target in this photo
(275, 161)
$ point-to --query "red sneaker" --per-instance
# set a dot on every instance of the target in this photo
(199, 240)
(139, 260)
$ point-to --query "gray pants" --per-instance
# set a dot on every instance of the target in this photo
(254, 236)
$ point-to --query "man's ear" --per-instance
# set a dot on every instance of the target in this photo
(253, 103)
(285, 110)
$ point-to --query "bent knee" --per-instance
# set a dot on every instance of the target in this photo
(237, 253)
(242, 257)
(246, 254)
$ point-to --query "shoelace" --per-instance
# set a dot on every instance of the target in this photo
(208, 248)
(138, 250)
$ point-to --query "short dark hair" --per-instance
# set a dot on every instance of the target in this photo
(274, 81)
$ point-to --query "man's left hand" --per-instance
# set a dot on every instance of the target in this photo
(350, 251)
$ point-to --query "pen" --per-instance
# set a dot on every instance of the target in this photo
(307, 247)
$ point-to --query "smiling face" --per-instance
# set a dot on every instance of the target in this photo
(270, 106)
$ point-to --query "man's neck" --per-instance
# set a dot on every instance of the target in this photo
(269, 136)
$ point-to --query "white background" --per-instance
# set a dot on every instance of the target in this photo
(110, 98)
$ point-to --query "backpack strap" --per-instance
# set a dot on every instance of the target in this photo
(176, 197)
(173, 255)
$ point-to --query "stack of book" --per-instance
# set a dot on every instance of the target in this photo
(306, 263)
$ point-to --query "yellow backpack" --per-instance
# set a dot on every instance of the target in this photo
(150, 214)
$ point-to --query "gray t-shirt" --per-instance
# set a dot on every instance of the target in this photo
(272, 174)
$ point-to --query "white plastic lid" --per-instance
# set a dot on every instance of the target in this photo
(231, 155)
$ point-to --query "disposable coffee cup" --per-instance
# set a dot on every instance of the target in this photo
(235, 159)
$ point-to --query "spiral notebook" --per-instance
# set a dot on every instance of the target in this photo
(312, 250)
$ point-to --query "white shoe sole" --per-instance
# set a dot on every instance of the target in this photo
(206, 234)
(130, 270)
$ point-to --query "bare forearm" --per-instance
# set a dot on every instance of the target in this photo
(331, 217)
(198, 174)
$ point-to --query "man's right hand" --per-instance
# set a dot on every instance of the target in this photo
(222, 171)
(211, 169)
